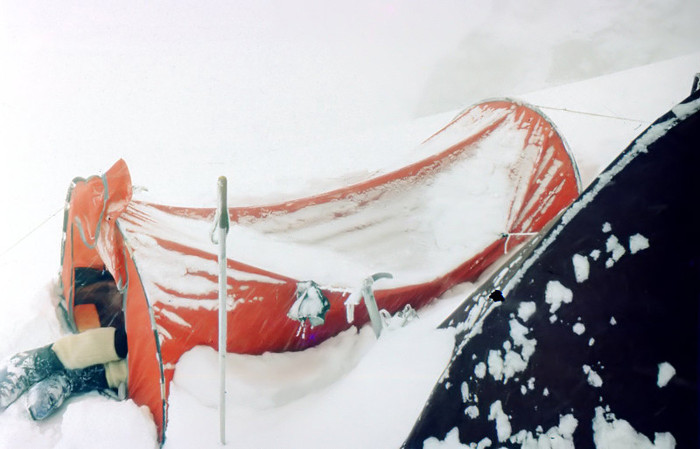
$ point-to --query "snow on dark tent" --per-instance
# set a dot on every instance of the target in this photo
(596, 341)
(407, 222)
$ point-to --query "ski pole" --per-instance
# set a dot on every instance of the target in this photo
(221, 223)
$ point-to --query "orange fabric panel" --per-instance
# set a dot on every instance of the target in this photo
(86, 317)
(146, 385)
(90, 227)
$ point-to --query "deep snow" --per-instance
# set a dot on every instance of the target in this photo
(274, 97)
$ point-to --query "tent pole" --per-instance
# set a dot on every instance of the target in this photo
(222, 226)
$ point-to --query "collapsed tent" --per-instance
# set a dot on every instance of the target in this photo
(596, 341)
(408, 222)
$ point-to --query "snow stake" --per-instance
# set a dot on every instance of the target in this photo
(218, 236)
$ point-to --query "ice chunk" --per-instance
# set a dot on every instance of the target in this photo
(595, 254)
(591, 342)
(607, 227)
(579, 328)
(472, 411)
(638, 243)
(556, 294)
(581, 267)
(666, 372)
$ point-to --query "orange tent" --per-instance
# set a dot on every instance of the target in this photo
(162, 261)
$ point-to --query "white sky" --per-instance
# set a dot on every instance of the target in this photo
(222, 83)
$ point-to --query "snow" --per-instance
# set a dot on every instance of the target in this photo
(592, 376)
(557, 437)
(451, 441)
(612, 433)
(505, 365)
(666, 373)
(503, 428)
(556, 294)
(582, 267)
(85, 415)
(638, 243)
(480, 370)
(531, 383)
(616, 250)
(526, 309)
(288, 100)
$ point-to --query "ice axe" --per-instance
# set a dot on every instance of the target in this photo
(366, 292)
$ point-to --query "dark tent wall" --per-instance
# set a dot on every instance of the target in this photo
(598, 333)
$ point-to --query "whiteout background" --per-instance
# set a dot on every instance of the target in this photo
(287, 98)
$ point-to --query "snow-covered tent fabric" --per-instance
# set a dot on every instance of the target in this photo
(406, 222)
(597, 338)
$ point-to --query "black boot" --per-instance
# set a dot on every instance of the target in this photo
(44, 398)
(23, 370)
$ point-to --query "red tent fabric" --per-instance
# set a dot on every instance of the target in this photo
(161, 258)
